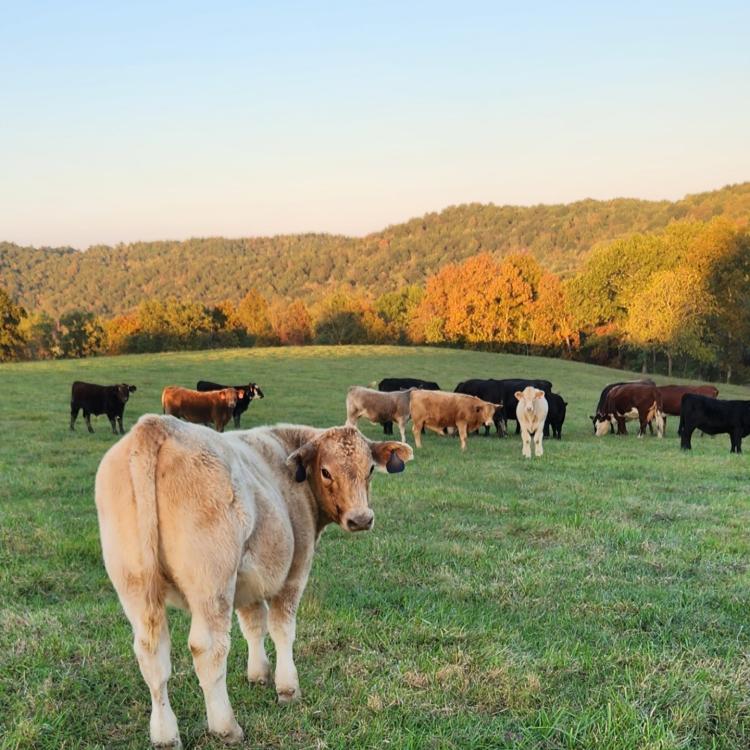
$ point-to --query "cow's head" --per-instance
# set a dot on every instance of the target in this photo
(339, 464)
(123, 392)
(603, 423)
(230, 396)
(486, 411)
(254, 390)
(527, 399)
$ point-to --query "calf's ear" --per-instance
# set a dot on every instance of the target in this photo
(240, 393)
(299, 460)
(539, 394)
(391, 455)
(518, 395)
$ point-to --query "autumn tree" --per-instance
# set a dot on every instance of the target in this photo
(80, 334)
(292, 324)
(11, 338)
(253, 315)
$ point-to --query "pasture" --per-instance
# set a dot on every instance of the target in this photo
(598, 597)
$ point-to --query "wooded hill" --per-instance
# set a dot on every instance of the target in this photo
(110, 280)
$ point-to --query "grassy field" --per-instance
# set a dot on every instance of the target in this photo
(596, 598)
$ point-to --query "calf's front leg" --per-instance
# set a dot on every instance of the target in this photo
(538, 442)
(254, 626)
(282, 625)
(526, 438)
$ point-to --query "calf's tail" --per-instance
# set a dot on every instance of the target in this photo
(147, 438)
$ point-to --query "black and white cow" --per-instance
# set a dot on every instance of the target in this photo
(99, 399)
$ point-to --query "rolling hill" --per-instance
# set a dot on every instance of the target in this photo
(114, 279)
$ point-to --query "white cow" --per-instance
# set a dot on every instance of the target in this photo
(213, 522)
(531, 413)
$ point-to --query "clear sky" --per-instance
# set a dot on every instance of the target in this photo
(154, 120)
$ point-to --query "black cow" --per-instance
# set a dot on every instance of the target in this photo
(99, 399)
(555, 415)
(502, 392)
(389, 385)
(714, 417)
(251, 391)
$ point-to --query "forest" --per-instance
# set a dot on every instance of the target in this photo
(655, 285)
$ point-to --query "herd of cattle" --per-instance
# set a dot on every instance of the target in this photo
(249, 506)
(473, 404)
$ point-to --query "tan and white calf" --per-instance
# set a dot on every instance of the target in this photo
(531, 413)
(213, 522)
(378, 406)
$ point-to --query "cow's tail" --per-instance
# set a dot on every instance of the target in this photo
(147, 437)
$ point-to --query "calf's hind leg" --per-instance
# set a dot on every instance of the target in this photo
(209, 644)
(87, 417)
(73, 415)
(282, 624)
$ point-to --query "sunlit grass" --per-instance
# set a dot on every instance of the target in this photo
(597, 597)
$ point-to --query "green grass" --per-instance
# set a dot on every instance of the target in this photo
(595, 598)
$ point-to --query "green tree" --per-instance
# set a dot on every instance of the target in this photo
(11, 337)
(80, 334)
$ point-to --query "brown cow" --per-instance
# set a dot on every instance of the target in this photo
(378, 406)
(671, 396)
(201, 408)
(628, 401)
(439, 411)
(214, 523)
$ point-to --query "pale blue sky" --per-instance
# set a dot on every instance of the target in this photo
(155, 120)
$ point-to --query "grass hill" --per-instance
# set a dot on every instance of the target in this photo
(115, 279)
(594, 598)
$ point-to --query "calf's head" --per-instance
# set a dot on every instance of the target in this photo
(254, 390)
(527, 399)
(486, 411)
(123, 392)
(339, 464)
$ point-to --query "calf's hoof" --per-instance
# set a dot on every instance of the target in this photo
(175, 744)
(232, 736)
(288, 695)
(261, 676)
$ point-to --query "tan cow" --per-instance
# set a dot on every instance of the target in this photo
(439, 411)
(378, 407)
(211, 523)
(531, 413)
(201, 407)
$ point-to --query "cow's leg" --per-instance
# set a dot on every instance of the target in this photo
(87, 417)
(518, 427)
(462, 433)
(113, 422)
(154, 662)
(416, 430)
(622, 427)
(685, 437)
(236, 421)
(526, 439)
(736, 438)
(122, 429)
(73, 415)
(388, 428)
(209, 644)
(538, 442)
(402, 429)
(254, 625)
(282, 623)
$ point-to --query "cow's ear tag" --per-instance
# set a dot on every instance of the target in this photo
(394, 464)
(301, 473)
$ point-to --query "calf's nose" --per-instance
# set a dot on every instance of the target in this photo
(361, 521)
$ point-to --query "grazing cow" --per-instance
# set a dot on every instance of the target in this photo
(622, 401)
(531, 414)
(99, 399)
(502, 392)
(388, 385)
(555, 415)
(440, 411)
(603, 398)
(210, 523)
(671, 396)
(201, 408)
(251, 391)
(378, 407)
(714, 416)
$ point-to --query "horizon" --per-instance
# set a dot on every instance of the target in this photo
(140, 123)
(379, 230)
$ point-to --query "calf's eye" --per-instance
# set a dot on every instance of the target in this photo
(326, 474)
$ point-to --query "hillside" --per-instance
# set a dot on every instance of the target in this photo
(114, 279)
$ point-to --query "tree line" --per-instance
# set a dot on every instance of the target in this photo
(676, 298)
